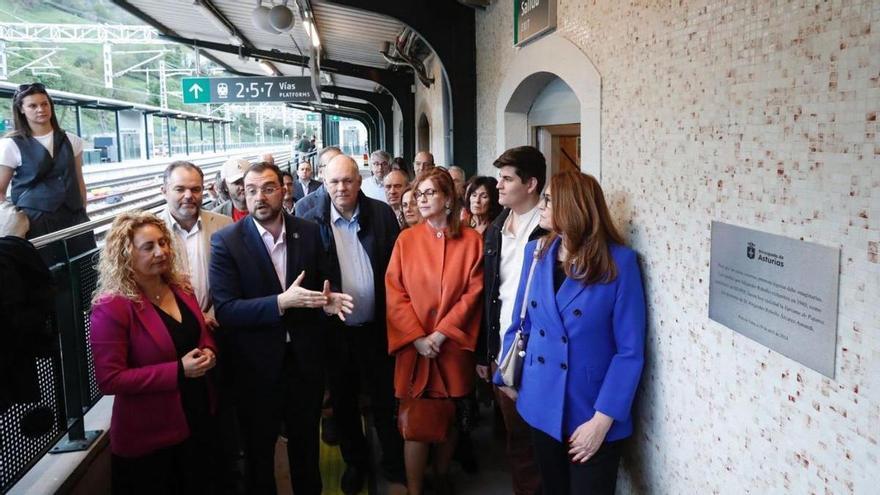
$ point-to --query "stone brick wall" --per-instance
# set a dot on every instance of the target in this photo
(761, 114)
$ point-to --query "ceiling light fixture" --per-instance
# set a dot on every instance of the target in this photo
(260, 18)
(281, 18)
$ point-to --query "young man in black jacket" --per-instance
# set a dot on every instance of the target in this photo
(521, 176)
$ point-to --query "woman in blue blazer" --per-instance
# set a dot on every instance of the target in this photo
(585, 317)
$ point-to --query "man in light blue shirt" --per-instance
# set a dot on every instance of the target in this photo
(359, 233)
(354, 265)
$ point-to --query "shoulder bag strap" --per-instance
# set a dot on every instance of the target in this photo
(525, 302)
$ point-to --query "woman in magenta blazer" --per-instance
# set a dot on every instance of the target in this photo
(152, 351)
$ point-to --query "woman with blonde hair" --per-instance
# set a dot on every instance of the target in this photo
(581, 303)
(152, 351)
(434, 307)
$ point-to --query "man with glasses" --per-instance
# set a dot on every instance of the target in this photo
(269, 280)
(359, 234)
(380, 165)
(522, 172)
(43, 165)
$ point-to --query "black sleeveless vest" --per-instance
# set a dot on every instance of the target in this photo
(42, 182)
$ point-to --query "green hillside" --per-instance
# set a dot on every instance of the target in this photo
(79, 68)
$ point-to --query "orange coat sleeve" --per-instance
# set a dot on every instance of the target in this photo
(461, 322)
(404, 326)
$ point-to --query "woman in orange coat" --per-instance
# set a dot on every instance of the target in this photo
(434, 284)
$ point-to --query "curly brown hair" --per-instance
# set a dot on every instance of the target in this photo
(115, 271)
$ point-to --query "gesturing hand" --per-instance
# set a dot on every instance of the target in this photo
(197, 362)
(338, 303)
(588, 437)
(298, 297)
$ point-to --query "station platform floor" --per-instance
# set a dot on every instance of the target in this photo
(492, 478)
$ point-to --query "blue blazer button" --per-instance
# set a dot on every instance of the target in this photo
(577, 312)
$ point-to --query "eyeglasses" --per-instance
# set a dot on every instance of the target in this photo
(266, 190)
(427, 193)
(545, 200)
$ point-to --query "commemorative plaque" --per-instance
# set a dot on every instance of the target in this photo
(778, 291)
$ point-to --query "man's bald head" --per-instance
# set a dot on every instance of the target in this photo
(268, 158)
(343, 181)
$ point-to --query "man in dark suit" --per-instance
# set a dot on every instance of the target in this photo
(304, 184)
(358, 235)
(312, 199)
(267, 275)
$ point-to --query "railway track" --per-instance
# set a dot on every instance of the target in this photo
(142, 190)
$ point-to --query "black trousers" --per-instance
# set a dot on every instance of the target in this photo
(358, 360)
(42, 223)
(189, 467)
(560, 476)
(297, 403)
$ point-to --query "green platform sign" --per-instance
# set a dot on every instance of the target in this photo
(198, 90)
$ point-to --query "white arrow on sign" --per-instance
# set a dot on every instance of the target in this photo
(194, 89)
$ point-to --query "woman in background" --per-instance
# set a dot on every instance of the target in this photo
(43, 164)
(481, 202)
(585, 318)
(152, 351)
(408, 208)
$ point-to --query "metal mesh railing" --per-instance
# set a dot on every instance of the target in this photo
(28, 430)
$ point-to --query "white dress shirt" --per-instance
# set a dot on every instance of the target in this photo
(513, 245)
(195, 258)
(373, 189)
(277, 250)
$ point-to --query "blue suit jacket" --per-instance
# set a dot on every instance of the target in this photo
(245, 290)
(586, 346)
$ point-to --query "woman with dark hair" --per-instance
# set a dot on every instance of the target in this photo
(152, 351)
(44, 165)
(582, 305)
(481, 202)
(434, 307)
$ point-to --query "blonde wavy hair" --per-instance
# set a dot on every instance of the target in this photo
(115, 270)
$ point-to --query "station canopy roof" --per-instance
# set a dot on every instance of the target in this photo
(345, 34)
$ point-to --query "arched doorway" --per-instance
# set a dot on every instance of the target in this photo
(554, 122)
(423, 134)
(538, 92)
